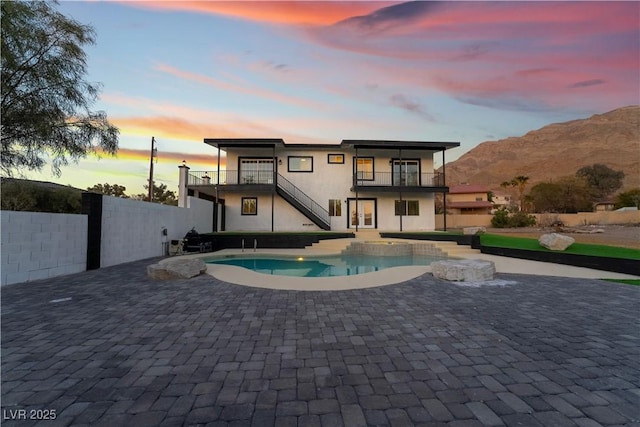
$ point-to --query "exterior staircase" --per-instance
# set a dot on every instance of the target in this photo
(303, 203)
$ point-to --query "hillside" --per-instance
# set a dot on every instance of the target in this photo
(556, 150)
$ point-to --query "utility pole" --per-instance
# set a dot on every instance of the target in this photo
(154, 153)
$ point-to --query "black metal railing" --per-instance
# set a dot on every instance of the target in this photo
(301, 197)
(396, 179)
(230, 177)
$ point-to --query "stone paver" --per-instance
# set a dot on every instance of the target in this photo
(112, 347)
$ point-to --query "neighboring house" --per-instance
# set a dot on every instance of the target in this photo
(468, 199)
(268, 185)
(604, 206)
(500, 200)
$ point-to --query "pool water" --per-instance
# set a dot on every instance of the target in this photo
(325, 266)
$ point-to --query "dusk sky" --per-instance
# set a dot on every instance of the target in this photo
(320, 72)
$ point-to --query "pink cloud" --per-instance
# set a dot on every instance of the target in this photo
(516, 54)
(275, 12)
(244, 87)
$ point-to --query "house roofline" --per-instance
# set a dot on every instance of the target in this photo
(410, 145)
(352, 143)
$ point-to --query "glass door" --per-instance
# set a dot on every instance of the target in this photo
(256, 171)
(406, 173)
(365, 214)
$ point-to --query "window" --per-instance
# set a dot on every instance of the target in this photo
(256, 171)
(249, 206)
(413, 208)
(335, 207)
(364, 168)
(478, 199)
(300, 164)
(407, 207)
(335, 158)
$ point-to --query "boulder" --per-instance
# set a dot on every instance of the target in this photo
(555, 241)
(176, 269)
(464, 270)
(473, 230)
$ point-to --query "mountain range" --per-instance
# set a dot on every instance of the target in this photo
(556, 150)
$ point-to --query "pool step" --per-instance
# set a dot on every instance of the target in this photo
(329, 246)
(452, 249)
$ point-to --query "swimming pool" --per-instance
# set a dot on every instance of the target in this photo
(321, 266)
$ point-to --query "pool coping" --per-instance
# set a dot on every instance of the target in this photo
(390, 276)
(246, 277)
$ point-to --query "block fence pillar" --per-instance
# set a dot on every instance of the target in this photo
(183, 179)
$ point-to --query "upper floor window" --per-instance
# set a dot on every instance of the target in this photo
(300, 164)
(335, 158)
(364, 168)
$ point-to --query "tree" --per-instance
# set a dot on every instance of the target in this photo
(546, 197)
(45, 100)
(575, 195)
(601, 179)
(519, 182)
(32, 196)
(567, 195)
(628, 198)
(114, 190)
(160, 195)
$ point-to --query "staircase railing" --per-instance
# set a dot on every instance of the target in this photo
(304, 200)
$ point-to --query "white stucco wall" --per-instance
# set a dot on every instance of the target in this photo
(327, 181)
(132, 229)
(37, 245)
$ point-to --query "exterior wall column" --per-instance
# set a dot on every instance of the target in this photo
(444, 193)
(182, 185)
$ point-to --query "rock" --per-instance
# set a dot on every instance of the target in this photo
(465, 270)
(158, 272)
(176, 269)
(555, 241)
(473, 230)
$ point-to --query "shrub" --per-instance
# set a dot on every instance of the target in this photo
(502, 219)
(522, 219)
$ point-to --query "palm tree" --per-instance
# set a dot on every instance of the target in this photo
(520, 181)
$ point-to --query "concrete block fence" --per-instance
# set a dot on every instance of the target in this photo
(112, 231)
(132, 230)
(38, 245)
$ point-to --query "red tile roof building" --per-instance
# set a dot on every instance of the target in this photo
(468, 199)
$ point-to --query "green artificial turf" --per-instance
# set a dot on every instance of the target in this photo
(634, 282)
(500, 241)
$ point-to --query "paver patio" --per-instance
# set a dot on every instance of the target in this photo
(113, 348)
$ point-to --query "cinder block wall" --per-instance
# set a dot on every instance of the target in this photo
(36, 245)
(132, 230)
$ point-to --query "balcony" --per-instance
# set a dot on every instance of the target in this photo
(231, 179)
(394, 181)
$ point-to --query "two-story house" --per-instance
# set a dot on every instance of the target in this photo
(468, 199)
(269, 185)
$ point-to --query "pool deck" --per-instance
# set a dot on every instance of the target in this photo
(111, 347)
